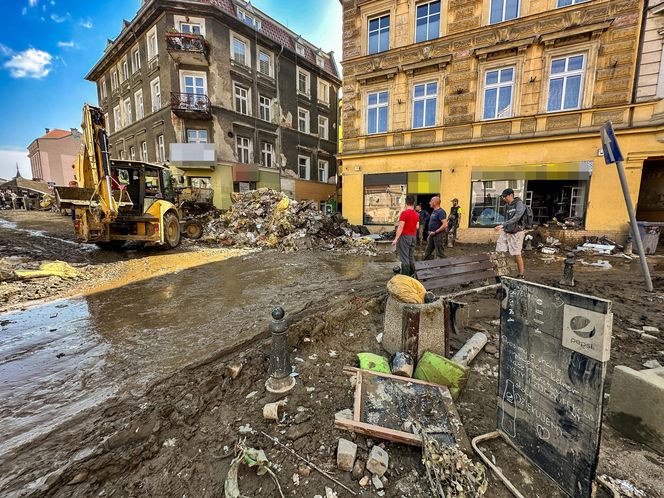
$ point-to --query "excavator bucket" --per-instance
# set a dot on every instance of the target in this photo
(72, 197)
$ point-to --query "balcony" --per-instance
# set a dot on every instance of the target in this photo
(187, 48)
(191, 105)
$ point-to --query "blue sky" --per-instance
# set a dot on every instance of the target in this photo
(50, 45)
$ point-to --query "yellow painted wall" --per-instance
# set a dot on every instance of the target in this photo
(605, 207)
(221, 179)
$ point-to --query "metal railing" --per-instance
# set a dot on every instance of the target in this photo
(186, 42)
(193, 102)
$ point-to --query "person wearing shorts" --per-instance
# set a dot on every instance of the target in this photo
(406, 237)
(512, 231)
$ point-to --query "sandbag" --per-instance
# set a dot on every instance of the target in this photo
(374, 362)
(439, 370)
(406, 289)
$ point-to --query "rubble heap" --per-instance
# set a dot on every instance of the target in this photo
(265, 218)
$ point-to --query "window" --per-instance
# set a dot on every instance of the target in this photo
(243, 148)
(498, 93)
(377, 112)
(265, 105)
(249, 19)
(303, 79)
(565, 3)
(425, 103)
(107, 123)
(155, 89)
(265, 63)
(239, 49)
(267, 152)
(114, 80)
(427, 21)
(322, 171)
(384, 198)
(241, 99)
(132, 153)
(117, 119)
(122, 154)
(503, 10)
(125, 70)
(565, 83)
(323, 92)
(103, 90)
(320, 62)
(200, 181)
(322, 127)
(197, 136)
(379, 34)
(126, 107)
(135, 61)
(194, 84)
(190, 28)
(303, 120)
(153, 48)
(304, 167)
(300, 49)
(140, 110)
(144, 151)
(161, 153)
(487, 210)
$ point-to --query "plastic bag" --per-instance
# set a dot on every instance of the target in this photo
(52, 269)
(406, 289)
(439, 370)
(374, 362)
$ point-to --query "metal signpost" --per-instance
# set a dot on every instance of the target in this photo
(613, 155)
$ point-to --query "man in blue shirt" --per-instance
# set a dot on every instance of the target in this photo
(437, 226)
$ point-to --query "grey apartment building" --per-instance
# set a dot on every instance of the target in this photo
(225, 95)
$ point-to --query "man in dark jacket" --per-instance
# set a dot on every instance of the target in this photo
(424, 222)
(437, 226)
(512, 231)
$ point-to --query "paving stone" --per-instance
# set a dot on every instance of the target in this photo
(346, 453)
(378, 461)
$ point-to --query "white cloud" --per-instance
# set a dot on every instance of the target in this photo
(66, 44)
(59, 19)
(33, 3)
(30, 63)
(86, 23)
(9, 156)
(5, 50)
(24, 11)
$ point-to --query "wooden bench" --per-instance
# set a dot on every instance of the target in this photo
(443, 273)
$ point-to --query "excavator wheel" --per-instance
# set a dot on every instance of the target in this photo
(171, 231)
(193, 229)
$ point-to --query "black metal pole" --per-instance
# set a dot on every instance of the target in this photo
(280, 380)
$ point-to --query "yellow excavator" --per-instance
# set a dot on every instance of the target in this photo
(117, 200)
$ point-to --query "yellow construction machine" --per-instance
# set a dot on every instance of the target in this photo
(117, 200)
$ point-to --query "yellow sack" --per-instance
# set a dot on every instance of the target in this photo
(52, 269)
(283, 204)
(406, 289)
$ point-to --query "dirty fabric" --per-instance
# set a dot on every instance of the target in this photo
(50, 269)
(406, 289)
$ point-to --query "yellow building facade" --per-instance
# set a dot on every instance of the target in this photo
(463, 98)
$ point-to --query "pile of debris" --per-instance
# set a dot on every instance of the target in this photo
(265, 218)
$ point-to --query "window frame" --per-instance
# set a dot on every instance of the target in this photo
(325, 126)
(248, 147)
(192, 25)
(197, 140)
(573, 2)
(117, 118)
(153, 49)
(135, 60)
(378, 31)
(247, 49)
(424, 99)
(242, 15)
(307, 120)
(265, 153)
(144, 151)
(377, 106)
(307, 165)
(132, 152)
(428, 16)
(139, 94)
(155, 83)
(193, 74)
(265, 108)
(498, 86)
(326, 92)
(502, 17)
(326, 165)
(115, 80)
(300, 50)
(307, 75)
(565, 75)
(270, 73)
(160, 148)
(247, 98)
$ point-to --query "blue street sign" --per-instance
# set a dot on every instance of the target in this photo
(612, 153)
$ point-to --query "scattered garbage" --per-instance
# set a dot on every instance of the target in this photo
(374, 362)
(442, 371)
(271, 411)
(596, 248)
(49, 269)
(402, 364)
(601, 263)
(265, 218)
(652, 364)
(252, 458)
(469, 351)
(622, 486)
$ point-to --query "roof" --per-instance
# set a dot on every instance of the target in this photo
(23, 183)
(271, 28)
(57, 133)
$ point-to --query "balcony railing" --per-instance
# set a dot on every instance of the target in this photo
(186, 48)
(191, 104)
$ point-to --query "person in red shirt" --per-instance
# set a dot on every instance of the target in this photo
(406, 238)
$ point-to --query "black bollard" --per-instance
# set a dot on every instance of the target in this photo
(628, 250)
(396, 269)
(280, 380)
(568, 271)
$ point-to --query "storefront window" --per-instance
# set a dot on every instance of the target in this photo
(384, 198)
(488, 209)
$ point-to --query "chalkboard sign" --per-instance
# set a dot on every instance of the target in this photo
(554, 349)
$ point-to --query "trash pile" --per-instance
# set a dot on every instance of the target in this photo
(265, 218)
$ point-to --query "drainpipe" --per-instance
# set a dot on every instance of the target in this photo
(277, 144)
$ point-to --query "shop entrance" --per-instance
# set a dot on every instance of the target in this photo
(651, 195)
(564, 200)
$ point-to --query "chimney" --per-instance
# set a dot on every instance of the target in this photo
(47, 130)
(73, 131)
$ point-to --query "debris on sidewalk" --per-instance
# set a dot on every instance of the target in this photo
(49, 269)
(621, 486)
(265, 218)
(252, 458)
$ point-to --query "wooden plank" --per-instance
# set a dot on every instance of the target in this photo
(354, 370)
(433, 263)
(357, 406)
(454, 270)
(378, 431)
(460, 279)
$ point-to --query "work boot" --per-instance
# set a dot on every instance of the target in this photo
(406, 270)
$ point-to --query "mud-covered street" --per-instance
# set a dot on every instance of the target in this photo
(118, 386)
